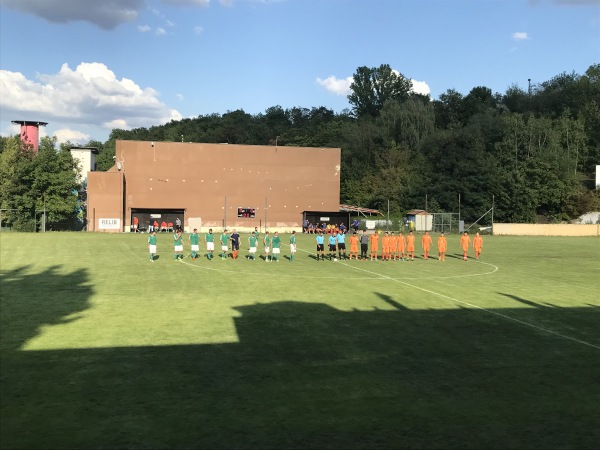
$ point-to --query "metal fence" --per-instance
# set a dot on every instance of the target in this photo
(446, 222)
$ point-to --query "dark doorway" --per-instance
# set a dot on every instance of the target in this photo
(166, 218)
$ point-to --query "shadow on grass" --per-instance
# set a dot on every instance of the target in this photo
(302, 375)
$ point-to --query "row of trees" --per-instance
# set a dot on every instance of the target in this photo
(534, 152)
(32, 186)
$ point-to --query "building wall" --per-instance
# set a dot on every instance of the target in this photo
(86, 161)
(105, 201)
(529, 229)
(210, 181)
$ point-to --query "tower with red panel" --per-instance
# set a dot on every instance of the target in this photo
(30, 133)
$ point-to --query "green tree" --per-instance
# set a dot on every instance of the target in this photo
(449, 109)
(16, 177)
(372, 87)
(55, 187)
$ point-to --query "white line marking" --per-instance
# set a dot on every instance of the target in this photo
(484, 309)
(376, 277)
(216, 269)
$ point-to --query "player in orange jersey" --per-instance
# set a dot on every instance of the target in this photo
(401, 245)
(442, 244)
(465, 241)
(410, 246)
(374, 244)
(354, 245)
(394, 245)
(385, 247)
(477, 244)
(426, 243)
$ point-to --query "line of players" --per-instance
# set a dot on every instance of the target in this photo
(393, 247)
(271, 245)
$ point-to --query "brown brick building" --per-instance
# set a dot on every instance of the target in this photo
(210, 185)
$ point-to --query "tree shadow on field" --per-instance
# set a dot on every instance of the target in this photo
(303, 375)
(32, 301)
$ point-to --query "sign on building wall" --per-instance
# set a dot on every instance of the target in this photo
(109, 224)
(246, 212)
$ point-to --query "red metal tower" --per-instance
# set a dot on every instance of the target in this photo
(30, 132)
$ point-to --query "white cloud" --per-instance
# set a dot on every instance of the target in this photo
(179, 97)
(11, 130)
(157, 13)
(116, 123)
(85, 97)
(143, 28)
(76, 137)
(160, 31)
(520, 36)
(338, 86)
(198, 30)
(420, 87)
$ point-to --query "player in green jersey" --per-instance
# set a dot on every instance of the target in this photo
(178, 242)
(224, 239)
(267, 244)
(276, 246)
(257, 233)
(152, 245)
(252, 241)
(292, 246)
(209, 238)
(195, 243)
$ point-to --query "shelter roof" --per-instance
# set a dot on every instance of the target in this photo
(358, 209)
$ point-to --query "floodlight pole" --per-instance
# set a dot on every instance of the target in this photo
(459, 206)
(492, 213)
(44, 222)
(387, 223)
(266, 207)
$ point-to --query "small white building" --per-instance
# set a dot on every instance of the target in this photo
(86, 160)
(421, 220)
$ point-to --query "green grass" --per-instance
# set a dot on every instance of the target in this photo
(101, 348)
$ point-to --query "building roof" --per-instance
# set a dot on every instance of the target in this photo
(29, 122)
(350, 208)
(416, 212)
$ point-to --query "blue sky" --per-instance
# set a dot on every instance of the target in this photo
(87, 66)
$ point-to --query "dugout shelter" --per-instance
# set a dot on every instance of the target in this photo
(213, 186)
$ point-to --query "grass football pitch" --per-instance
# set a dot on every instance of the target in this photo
(100, 348)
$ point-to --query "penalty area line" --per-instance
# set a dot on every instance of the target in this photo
(504, 316)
